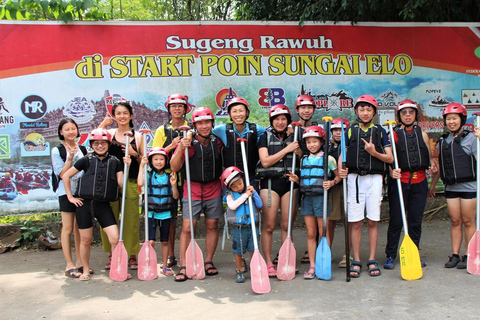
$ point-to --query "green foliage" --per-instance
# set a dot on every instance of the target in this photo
(30, 232)
(60, 10)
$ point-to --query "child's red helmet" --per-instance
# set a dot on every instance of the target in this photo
(337, 123)
(230, 175)
(158, 150)
(366, 98)
(314, 131)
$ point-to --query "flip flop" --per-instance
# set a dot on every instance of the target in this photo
(272, 273)
(73, 273)
(133, 264)
(305, 259)
(84, 277)
(80, 269)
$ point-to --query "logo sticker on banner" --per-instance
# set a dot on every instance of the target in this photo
(80, 109)
(222, 98)
(33, 107)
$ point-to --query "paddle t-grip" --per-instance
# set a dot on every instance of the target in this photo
(128, 134)
(242, 140)
(184, 128)
(327, 119)
(145, 131)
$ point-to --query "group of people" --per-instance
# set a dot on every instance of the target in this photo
(89, 184)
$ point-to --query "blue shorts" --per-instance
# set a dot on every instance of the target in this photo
(163, 225)
(313, 206)
(242, 239)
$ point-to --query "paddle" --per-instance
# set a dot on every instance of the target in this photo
(473, 260)
(147, 258)
(119, 265)
(410, 265)
(258, 266)
(345, 206)
(323, 257)
(287, 255)
(193, 256)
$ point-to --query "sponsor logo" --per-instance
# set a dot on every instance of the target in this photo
(34, 125)
(4, 146)
(471, 98)
(35, 145)
(111, 101)
(335, 101)
(33, 107)
(5, 117)
(144, 126)
(269, 97)
(388, 100)
(80, 109)
(222, 98)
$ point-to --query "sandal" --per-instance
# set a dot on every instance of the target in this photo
(109, 263)
(84, 277)
(354, 272)
(244, 266)
(239, 277)
(73, 273)
(372, 270)
(272, 273)
(181, 276)
(305, 258)
(275, 261)
(167, 272)
(171, 261)
(309, 274)
(133, 264)
(343, 263)
(211, 271)
(80, 269)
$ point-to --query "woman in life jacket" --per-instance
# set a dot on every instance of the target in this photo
(68, 133)
(123, 114)
(276, 149)
(102, 176)
(457, 168)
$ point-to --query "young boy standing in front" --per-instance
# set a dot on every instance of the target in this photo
(368, 152)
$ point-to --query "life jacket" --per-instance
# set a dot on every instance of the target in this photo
(160, 198)
(334, 151)
(63, 154)
(206, 162)
(232, 153)
(242, 214)
(360, 161)
(282, 166)
(455, 164)
(312, 175)
(412, 152)
(170, 133)
(99, 181)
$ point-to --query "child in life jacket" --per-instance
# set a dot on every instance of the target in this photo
(313, 181)
(103, 175)
(238, 213)
(162, 194)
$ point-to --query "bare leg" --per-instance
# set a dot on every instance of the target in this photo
(454, 209)
(268, 222)
(68, 222)
(211, 238)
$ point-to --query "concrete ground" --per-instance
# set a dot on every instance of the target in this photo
(33, 286)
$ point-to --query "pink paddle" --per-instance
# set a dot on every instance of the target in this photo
(473, 260)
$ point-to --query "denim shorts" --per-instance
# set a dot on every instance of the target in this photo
(242, 239)
(313, 206)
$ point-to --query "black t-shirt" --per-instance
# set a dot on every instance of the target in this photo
(116, 150)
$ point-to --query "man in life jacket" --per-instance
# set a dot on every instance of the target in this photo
(413, 153)
(368, 152)
(238, 111)
(305, 108)
(168, 136)
(204, 151)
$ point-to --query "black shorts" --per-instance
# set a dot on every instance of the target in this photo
(65, 205)
(90, 209)
(461, 195)
(163, 225)
(280, 185)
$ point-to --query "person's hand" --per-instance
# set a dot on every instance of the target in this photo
(292, 147)
(396, 173)
(292, 177)
(433, 168)
(78, 202)
(185, 142)
(431, 192)
(342, 173)
(175, 143)
(250, 190)
(127, 160)
(369, 146)
(327, 184)
(173, 178)
(72, 151)
(107, 121)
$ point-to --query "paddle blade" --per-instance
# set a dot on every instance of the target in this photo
(195, 269)
(147, 262)
(286, 260)
(323, 260)
(473, 261)
(410, 265)
(259, 274)
(119, 266)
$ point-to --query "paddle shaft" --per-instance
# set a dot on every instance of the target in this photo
(145, 187)
(290, 203)
(189, 189)
(477, 114)
(325, 176)
(250, 203)
(124, 192)
(345, 205)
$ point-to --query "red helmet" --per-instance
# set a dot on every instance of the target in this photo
(454, 107)
(337, 123)
(277, 110)
(314, 131)
(202, 113)
(158, 150)
(238, 100)
(178, 98)
(366, 98)
(407, 104)
(100, 135)
(230, 175)
(304, 100)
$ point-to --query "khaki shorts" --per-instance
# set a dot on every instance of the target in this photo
(337, 211)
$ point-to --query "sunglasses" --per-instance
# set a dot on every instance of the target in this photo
(405, 112)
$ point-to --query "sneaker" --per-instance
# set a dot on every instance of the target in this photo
(423, 264)
(389, 264)
(239, 277)
(452, 261)
(462, 264)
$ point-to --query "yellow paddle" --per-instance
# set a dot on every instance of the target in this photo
(410, 264)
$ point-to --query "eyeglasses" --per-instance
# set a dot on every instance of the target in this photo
(407, 111)
(99, 143)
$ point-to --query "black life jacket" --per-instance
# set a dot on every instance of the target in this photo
(232, 153)
(283, 166)
(360, 161)
(160, 198)
(455, 164)
(206, 163)
(312, 176)
(334, 151)
(99, 181)
(412, 152)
